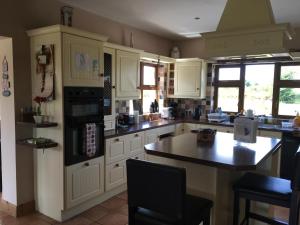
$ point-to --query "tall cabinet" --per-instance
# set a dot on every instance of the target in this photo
(79, 61)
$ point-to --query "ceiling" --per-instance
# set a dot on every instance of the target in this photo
(175, 19)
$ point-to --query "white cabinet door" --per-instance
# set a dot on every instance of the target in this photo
(187, 79)
(136, 143)
(82, 61)
(128, 75)
(115, 175)
(84, 181)
(115, 149)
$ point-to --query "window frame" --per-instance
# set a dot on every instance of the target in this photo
(277, 84)
(148, 87)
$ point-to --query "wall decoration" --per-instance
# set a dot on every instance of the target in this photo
(66, 15)
(5, 78)
(45, 73)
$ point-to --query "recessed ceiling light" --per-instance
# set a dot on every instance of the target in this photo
(197, 18)
(191, 34)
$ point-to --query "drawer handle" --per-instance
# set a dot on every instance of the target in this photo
(136, 135)
(117, 165)
(117, 140)
(86, 164)
(136, 157)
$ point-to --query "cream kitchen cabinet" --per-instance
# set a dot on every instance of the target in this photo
(190, 78)
(136, 143)
(115, 175)
(82, 61)
(84, 181)
(116, 149)
(128, 75)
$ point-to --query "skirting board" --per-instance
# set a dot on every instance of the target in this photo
(67, 214)
(17, 211)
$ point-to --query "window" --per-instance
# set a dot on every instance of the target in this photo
(287, 90)
(148, 85)
(258, 94)
(268, 89)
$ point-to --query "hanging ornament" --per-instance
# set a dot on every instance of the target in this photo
(5, 82)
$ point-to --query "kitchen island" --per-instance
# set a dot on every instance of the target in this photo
(212, 168)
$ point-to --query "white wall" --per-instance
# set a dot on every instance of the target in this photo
(8, 134)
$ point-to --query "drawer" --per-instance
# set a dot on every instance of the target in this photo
(136, 143)
(140, 156)
(115, 175)
(115, 150)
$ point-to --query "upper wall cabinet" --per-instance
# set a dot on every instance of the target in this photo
(128, 75)
(83, 61)
(190, 78)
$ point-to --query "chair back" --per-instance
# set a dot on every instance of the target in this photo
(156, 187)
(295, 181)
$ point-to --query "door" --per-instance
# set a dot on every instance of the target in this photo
(82, 61)
(84, 181)
(115, 175)
(109, 88)
(128, 75)
(187, 79)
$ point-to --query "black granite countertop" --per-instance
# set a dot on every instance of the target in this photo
(161, 123)
(224, 152)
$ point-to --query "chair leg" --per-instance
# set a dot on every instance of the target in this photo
(131, 212)
(206, 220)
(294, 209)
(247, 211)
(236, 208)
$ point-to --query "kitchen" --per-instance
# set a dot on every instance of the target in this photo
(61, 189)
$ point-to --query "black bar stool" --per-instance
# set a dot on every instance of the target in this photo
(157, 196)
(271, 190)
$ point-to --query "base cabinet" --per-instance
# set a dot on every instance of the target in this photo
(84, 181)
(115, 175)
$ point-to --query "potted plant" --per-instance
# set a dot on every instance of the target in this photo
(38, 118)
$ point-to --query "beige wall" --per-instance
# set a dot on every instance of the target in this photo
(195, 47)
(18, 16)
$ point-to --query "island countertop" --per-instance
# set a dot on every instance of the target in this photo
(224, 152)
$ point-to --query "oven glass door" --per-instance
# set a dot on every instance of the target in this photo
(76, 143)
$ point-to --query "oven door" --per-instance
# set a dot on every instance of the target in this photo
(76, 142)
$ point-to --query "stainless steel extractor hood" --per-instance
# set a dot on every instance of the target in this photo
(247, 29)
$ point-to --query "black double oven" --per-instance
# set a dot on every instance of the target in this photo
(84, 124)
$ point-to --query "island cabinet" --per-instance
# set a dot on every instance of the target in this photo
(82, 61)
(84, 181)
(190, 78)
(117, 151)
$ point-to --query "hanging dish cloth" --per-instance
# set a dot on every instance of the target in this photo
(90, 139)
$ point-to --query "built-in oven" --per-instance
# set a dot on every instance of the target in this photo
(84, 124)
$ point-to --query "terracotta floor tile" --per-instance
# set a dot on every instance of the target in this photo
(123, 195)
(114, 219)
(79, 220)
(123, 210)
(113, 203)
(95, 213)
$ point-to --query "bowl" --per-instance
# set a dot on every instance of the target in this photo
(205, 135)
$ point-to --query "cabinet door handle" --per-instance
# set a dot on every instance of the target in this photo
(117, 165)
(113, 87)
(136, 157)
(101, 75)
(136, 135)
(198, 88)
(86, 164)
(117, 140)
(138, 88)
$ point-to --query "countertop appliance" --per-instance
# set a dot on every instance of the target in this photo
(84, 124)
(166, 112)
(290, 145)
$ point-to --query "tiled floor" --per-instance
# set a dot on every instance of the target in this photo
(112, 212)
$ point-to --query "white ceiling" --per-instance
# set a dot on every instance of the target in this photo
(175, 18)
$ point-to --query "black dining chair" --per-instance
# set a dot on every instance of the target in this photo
(157, 196)
(270, 190)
